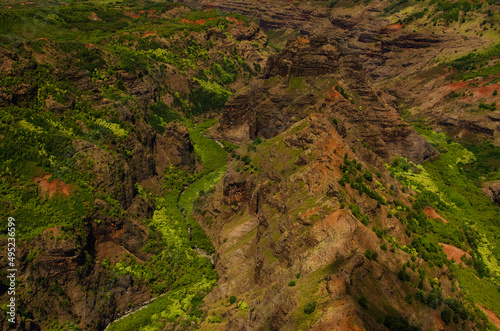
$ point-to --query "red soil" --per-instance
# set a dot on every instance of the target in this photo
(149, 33)
(332, 95)
(479, 92)
(331, 220)
(453, 252)
(203, 21)
(198, 22)
(303, 40)
(53, 187)
(485, 91)
(432, 214)
(132, 14)
(232, 19)
(312, 211)
(457, 86)
(439, 321)
(391, 28)
(491, 316)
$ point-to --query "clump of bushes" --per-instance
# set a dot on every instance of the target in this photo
(310, 307)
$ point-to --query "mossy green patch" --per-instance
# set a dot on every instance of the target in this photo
(311, 289)
(479, 290)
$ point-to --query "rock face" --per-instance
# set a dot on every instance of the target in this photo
(63, 268)
(66, 269)
(66, 274)
(492, 190)
(271, 14)
(285, 239)
(410, 41)
(314, 75)
(304, 57)
(384, 49)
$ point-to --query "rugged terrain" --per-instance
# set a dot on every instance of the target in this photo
(252, 165)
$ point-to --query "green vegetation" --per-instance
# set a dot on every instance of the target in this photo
(452, 185)
(449, 184)
(371, 255)
(363, 302)
(242, 305)
(398, 324)
(310, 307)
(346, 95)
(84, 118)
(478, 64)
(208, 96)
(295, 83)
(161, 115)
(479, 290)
(187, 276)
(350, 168)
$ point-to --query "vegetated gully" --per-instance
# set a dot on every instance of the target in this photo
(205, 183)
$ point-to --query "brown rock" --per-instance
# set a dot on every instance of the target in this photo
(492, 191)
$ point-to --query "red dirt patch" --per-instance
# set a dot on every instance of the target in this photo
(203, 21)
(491, 316)
(456, 86)
(479, 92)
(91, 46)
(312, 211)
(132, 14)
(391, 28)
(232, 19)
(432, 214)
(303, 40)
(149, 33)
(53, 187)
(331, 220)
(486, 91)
(332, 94)
(439, 321)
(198, 22)
(453, 252)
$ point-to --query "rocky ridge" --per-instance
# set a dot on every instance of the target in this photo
(315, 75)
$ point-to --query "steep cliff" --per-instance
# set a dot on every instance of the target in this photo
(316, 76)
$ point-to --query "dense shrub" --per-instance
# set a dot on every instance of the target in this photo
(310, 307)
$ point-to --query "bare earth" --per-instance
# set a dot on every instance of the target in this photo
(491, 316)
(454, 252)
(432, 214)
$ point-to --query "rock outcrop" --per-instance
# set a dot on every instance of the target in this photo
(285, 239)
(492, 190)
(315, 75)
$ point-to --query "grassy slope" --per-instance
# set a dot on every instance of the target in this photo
(450, 185)
(170, 218)
(35, 142)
